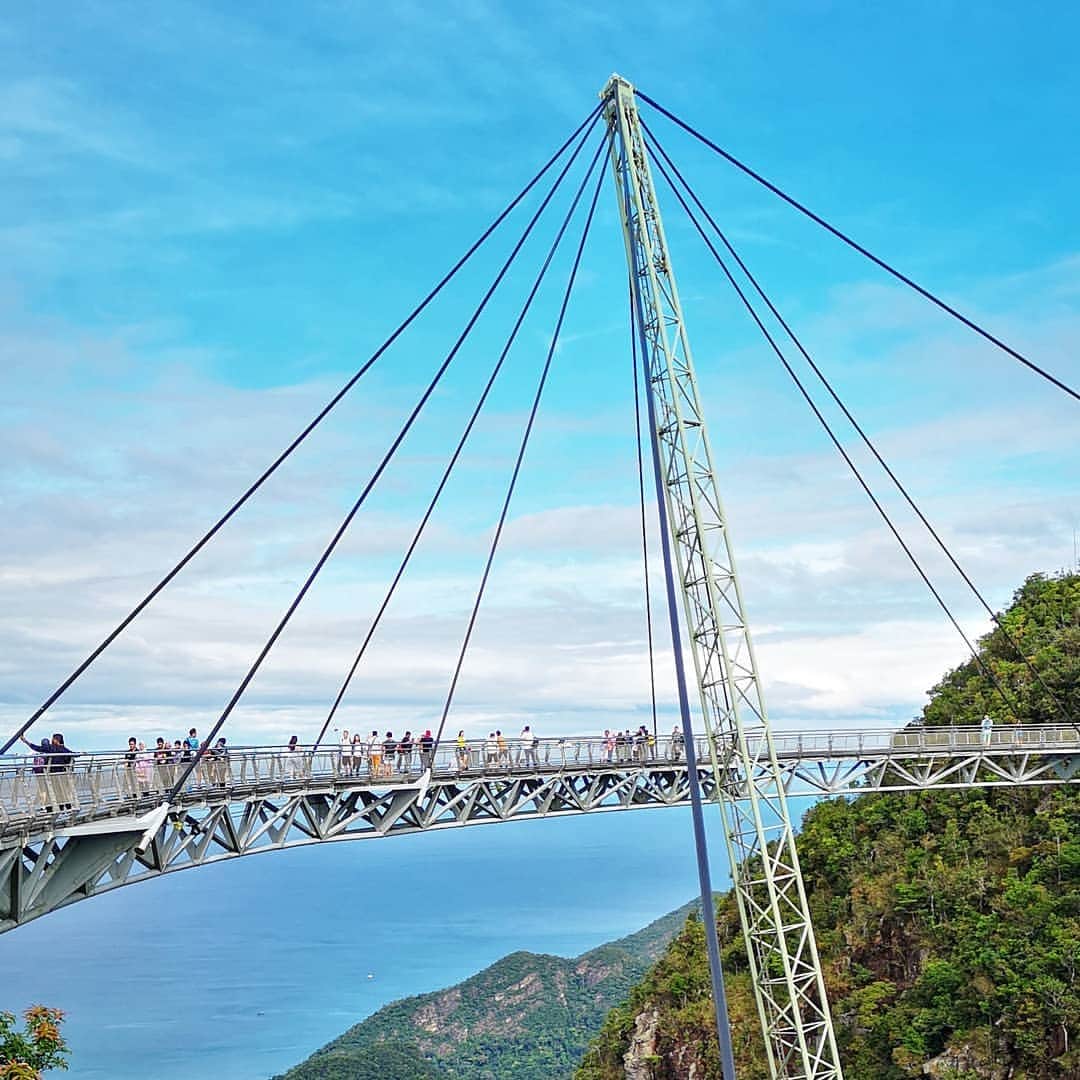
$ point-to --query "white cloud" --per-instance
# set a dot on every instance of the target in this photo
(121, 445)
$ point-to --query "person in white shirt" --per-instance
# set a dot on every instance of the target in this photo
(294, 766)
(530, 741)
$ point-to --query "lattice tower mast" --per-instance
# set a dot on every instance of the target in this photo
(775, 916)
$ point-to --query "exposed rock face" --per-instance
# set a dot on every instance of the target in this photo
(639, 1058)
(965, 1059)
(431, 1016)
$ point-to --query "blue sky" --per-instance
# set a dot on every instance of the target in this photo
(210, 215)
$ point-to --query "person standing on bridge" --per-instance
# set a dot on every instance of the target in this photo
(345, 764)
(676, 743)
(462, 751)
(404, 753)
(219, 762)
(191, 744)
(42, 756)
(293, 765)
(63, 759)
(144, 771)
(357, 753)
(161, 764)
(986, 729)
(427, 748)
(389, 747)
(374, 756)
(530, 743)
(131, 754)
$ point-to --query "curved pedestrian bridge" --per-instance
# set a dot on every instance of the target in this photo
(66, 834)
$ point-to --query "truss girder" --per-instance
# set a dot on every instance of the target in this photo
(956, 770)
(774, 910)
(43, 868)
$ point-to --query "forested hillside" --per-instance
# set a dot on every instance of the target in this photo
(948, 922)
(527, 1016)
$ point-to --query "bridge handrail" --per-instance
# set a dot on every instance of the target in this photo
(918, 737)
(913, 736)
(108, 778)
(103, 780)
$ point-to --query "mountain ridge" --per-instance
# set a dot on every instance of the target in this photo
(528, 1015)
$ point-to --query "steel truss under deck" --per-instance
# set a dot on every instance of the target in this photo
(50, 861)
(775, 915)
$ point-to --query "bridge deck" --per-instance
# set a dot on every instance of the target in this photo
(68, 835)
(104, 784)
(107, 784)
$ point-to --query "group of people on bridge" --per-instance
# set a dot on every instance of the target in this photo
(58, 774)
(146, 771)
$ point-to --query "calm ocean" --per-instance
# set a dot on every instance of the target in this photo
(240, 970)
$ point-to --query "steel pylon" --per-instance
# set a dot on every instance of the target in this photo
(784, 962)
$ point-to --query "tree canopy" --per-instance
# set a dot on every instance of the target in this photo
(948, 922)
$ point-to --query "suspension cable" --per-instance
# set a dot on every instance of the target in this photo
(588, 122)
(460, 446)
(1010, 706)
(644, 529)
(888, 268)
(655, 145)
(517, 464)
(399, 438)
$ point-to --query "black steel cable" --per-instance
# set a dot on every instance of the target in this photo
(644, 529)
(836, 442)
(399, 438)
(320, 416)
(654, 143)
(840, 235)
(517, 464)
(693, 778)
(460, 446)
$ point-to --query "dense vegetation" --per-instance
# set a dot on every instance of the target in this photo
(25, 1054)
(948, 922)
(526, 1016)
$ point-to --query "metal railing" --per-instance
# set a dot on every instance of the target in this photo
(917, 739)
(100, 783)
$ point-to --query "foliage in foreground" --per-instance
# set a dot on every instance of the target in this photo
(948, 922)
(25, 1054)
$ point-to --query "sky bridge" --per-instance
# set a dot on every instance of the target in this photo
(70, 834)
(71, 828)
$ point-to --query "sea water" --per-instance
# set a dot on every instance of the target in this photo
(242, 969)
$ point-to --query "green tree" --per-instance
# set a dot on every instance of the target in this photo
(948, 922)
(26, 1054)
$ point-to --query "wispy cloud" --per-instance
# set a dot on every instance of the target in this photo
(843, 628)
(42, 119)
(254, 200)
